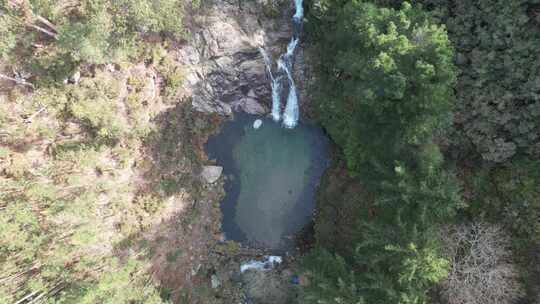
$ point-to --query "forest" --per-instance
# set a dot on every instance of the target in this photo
(433, 108)
(78, 121)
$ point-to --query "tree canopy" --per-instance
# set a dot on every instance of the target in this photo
(385, 94)
(386, 81)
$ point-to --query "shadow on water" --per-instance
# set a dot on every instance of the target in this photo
(271, 177)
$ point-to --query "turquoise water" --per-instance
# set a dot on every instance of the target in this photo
(272, 174)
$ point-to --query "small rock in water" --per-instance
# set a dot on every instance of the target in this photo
(257, 124)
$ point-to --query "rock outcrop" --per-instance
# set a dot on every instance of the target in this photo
(225, 71)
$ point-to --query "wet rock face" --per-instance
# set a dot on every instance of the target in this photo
(224, 68)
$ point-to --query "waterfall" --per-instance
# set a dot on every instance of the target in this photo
(291, 113)
(299, 11)
(290, 48)
(285, 64)
(275, 83)
(276, 96)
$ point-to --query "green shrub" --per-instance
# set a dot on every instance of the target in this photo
(150, 203)
(88, 40)
(94, 103)
(229, 248)
(173, 75)
(9, 29)
(153, 16)
(18, 166)
(122, 283)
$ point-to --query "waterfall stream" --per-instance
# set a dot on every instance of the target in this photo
(285, 65)
(275, 82)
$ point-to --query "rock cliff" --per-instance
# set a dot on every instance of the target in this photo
(225, 71)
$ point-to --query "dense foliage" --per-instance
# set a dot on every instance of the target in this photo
(434, 106)
(498, 87)
(386, 83)
(497, 90)
(385, 92)
(50, 39)
(76, 116)
(66, 202)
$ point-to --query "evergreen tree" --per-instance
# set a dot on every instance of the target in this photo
(385, 83)
(384, 94)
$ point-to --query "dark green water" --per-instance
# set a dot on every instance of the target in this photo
(273, 174)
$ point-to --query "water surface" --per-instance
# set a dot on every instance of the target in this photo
(272, 174)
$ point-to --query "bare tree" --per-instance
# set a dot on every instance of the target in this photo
(481, 268)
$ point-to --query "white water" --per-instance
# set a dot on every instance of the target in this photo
(291, 47)
(275, 84)
(276, 98)
(299, 11)
(268, 263)
(291, 112)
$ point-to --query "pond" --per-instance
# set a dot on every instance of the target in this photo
(271, 177)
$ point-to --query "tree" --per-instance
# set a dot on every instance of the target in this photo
(331, 280)
(384, 94)
(396, 253)
(91, 32)
(88, 40)
(152, 16)
(509, 194)
(385, 82)
(481, 269)
(498, 85)
(497, 109)
(392, 264)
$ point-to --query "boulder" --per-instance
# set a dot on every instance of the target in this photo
(211, 174)
(250, 106)
(257, 124)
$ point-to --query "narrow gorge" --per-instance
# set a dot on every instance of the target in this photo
(272, 162)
